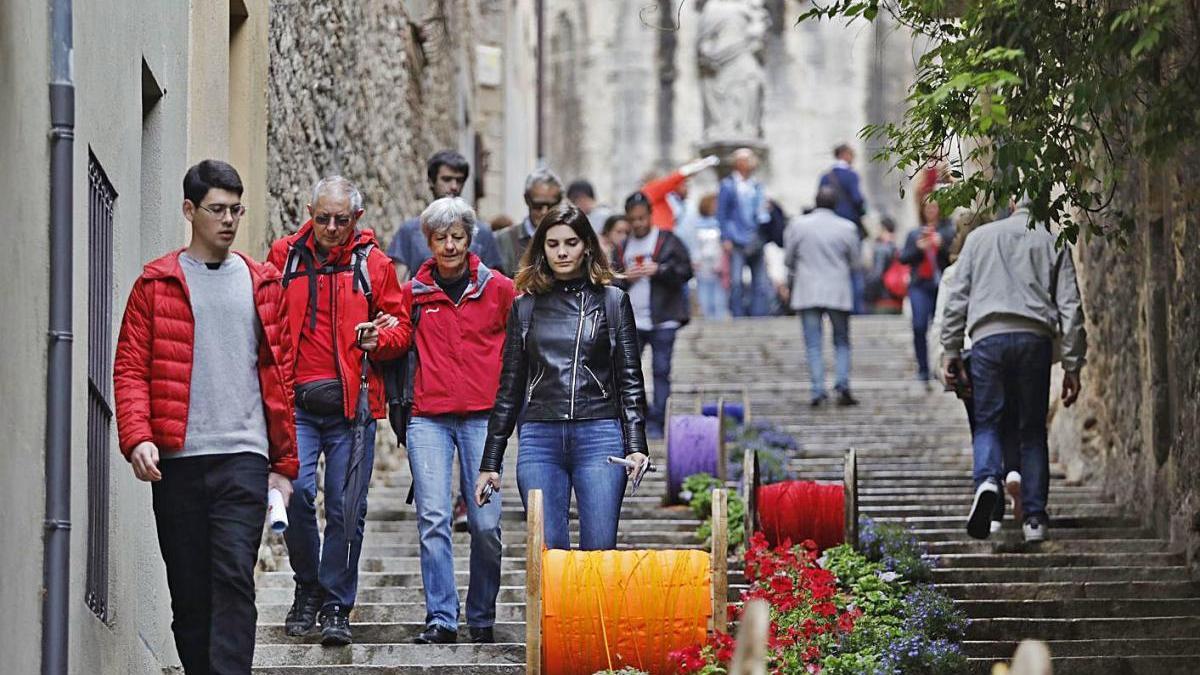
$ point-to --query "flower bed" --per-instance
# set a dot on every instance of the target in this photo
(841, 612)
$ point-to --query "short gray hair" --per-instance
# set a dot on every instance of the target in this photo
(444, 214)
(338, 185)
(542, 176)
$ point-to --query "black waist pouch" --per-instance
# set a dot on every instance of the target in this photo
(323, 397)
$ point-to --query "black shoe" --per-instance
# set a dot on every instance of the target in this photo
(436, 635)
(335, 626)
(844, 398)
(482, 635)
(979, 523)
(818, 400)
(302, 617)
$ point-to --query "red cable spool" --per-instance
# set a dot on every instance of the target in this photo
(799, 510)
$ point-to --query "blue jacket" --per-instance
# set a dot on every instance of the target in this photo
(851, 204)
(737, 223)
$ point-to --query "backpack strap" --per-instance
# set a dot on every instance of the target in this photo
(362, 275)
(299, 254)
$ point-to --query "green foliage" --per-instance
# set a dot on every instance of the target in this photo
(895, 548)
(1050, 98)
(698, 488)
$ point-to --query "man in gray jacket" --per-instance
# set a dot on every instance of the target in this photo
(1014, 292)
(820, 249)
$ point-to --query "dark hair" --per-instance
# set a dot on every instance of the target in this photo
(610, 223)
(535, 276)
(708, 205)
(840, 148)
(448, 158)
(207, 175)
(638, 198)
(580, 188)
(888, 223)
(826, 197)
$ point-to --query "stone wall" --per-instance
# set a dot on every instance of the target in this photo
(1137, 426)
(367, 89)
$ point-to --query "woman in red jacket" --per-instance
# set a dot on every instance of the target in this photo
(459, 309)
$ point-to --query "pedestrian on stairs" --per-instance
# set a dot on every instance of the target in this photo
(543, 192)
(203, 335)
(335, 281)
(654, 268)
(572, 377)
(820, 248)
(1014, 291)
(459, 309)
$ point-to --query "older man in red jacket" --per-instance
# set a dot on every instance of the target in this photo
(336, 279)
(204, 400)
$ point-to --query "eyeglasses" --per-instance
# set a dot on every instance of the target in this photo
(339, 221)
(219, 210)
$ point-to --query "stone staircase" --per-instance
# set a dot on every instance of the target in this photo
(1107, 594)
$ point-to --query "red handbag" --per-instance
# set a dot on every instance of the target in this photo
(895, 278)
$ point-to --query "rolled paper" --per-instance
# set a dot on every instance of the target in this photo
(692, 442)
(276, 511)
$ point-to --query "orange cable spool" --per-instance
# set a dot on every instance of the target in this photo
(612, 609)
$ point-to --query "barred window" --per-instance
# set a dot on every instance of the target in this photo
(101, 199)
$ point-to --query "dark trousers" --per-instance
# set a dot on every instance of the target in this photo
(210, 512)
(1011, 371)
(922, 296)
(662, 345)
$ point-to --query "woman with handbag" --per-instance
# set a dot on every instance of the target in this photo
(927, 252)
(572, 381)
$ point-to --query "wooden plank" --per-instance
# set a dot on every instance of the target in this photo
(851, 497)
(534, 543)
(749, 491)
(745, 406)
(722, 469)
(720, 560)
(668, 498)
(750, 653)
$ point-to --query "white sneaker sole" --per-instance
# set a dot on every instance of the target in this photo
(1012, 485)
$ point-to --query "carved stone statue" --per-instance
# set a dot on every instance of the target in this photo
(732, 77)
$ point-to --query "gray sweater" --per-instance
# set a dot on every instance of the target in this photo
(1011, 278)
(225, 407)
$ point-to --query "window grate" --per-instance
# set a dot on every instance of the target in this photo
(101, 200)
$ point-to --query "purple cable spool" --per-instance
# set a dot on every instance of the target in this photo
(692, 447)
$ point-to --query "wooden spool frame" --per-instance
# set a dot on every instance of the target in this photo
(702, 389)
(750, 483)
(722, 454)
(535, 540)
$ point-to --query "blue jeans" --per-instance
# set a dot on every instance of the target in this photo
(431, 445)
(760, 286)
(662, 345)
(1011, 371)
(312, 561)
(922, 295)
(714, 301)
(556, 457)
(814, 339)
(858, 287)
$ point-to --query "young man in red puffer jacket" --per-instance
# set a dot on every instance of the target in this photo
(204, 413)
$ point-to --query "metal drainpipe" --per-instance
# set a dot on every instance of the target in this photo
(57, 540)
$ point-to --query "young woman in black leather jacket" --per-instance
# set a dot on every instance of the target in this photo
(576, 392)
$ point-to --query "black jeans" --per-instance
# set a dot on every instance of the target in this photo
(210, 512)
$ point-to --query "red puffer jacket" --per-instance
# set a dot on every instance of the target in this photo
(459, 347)
(152, 370)
(349, 309)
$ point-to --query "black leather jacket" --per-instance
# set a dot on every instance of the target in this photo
(565, 371)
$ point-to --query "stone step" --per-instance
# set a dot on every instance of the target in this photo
(1095, 665)
(283, 579)
(877, 510)
(954, 561)
(384, 633)
(958, 534)
(389, 612)
(398, 654)
(1000, 649)
(1017, 628)
(1057, 522)
(1082, 608)
(282, 595)
(1059, 545)
(409, 669)
(1060, 590)
(996, 575)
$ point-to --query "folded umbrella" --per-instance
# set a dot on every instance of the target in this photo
(355, 488)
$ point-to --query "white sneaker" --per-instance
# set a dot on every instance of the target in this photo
(979, 522)
(1035, 530)
(1012, 485)
(996, 527)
